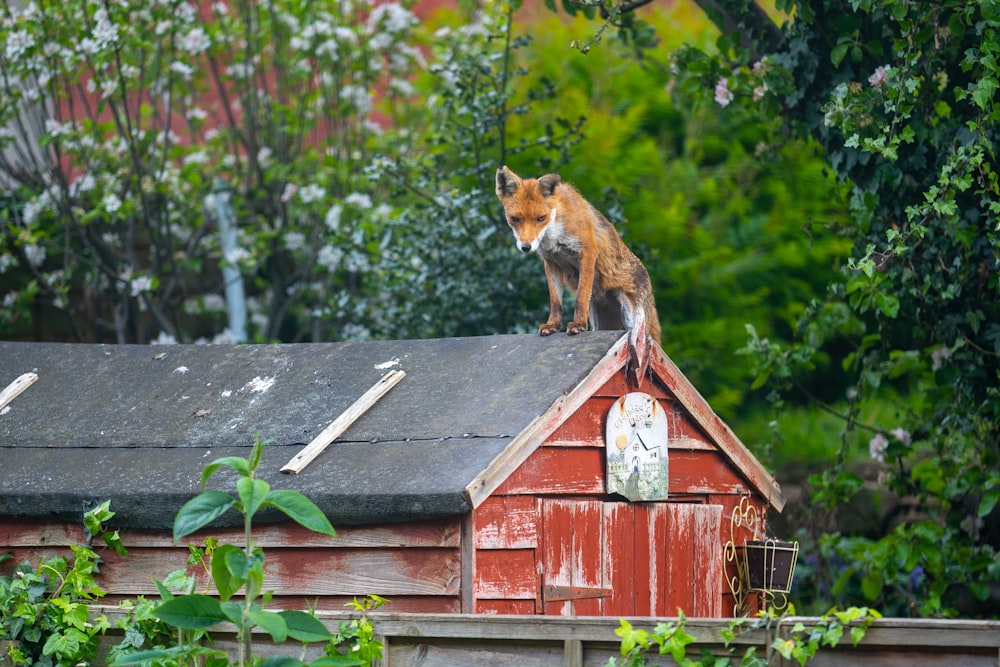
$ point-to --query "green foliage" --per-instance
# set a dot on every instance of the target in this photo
(45, 609)
(355, 639)
(901, 98)
(234, 569)
(800, 643)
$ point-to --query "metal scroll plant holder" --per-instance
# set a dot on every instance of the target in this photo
(764, 566)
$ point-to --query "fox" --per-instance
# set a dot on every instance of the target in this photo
(581, 250)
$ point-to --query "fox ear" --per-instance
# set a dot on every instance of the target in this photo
(548, 183)
(507, 182)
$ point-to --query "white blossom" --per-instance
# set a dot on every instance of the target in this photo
(225, 337)
(105, 32)
(877, 447)
(35, 254)
(391, 17)
(18, 42)
(140, 284)
(329, 257)
(294, 240)
(880, 76)
(196, 157)
(213, 303)
(311, 193)
(183, 69)
(237, 255)
(332, 219)
(84, 183)
(902, 435)
(359, 200)
(111, 202)
(722, 93)
(359, 97)
(938, 356)
(194, 42)
(163, 339)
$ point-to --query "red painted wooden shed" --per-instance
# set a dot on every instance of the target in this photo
(477, 484)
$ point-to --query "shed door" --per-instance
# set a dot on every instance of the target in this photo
(631, 559)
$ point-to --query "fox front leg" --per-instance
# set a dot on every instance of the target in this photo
(554, 322)
(584, 290)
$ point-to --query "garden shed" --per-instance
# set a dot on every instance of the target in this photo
(508, 474)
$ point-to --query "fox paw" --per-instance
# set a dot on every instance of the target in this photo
(574, 328)
(547, 329)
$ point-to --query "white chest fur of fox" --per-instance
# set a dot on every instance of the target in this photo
(580, 250)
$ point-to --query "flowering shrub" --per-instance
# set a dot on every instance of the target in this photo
(118, 119)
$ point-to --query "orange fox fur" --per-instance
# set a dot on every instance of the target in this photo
(581, 250)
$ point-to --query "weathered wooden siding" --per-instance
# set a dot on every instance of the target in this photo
(578, 551)
(417, 566)
(459, 640)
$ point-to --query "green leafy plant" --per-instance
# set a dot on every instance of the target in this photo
(801, 642)
(45, 616)
(355, 639)
(234, 569)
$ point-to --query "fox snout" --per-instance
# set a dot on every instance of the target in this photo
(525, 247)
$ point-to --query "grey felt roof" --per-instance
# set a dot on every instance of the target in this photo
(136, 424)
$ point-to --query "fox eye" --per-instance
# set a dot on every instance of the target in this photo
(515, 220)
(541, 218)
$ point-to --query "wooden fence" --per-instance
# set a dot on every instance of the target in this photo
(461, 640)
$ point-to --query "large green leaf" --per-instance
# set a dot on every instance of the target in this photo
(238, 464)
(191, 612)
(200, 511)
(305, 627)
(252, 492)
(229, 566)
(271, 622)
(282, 661)
(233, 612)
(301, 510)
(145, 656)
(335, 661)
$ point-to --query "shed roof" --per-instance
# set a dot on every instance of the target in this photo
(136, 424)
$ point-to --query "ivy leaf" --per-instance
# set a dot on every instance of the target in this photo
(988, 502)
(984, 92)
(887, 303)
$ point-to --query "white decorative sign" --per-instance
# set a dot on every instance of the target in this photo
(636, 448)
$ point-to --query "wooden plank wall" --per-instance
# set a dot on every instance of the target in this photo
(459, 640)
(552, 524)
(417, 566)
